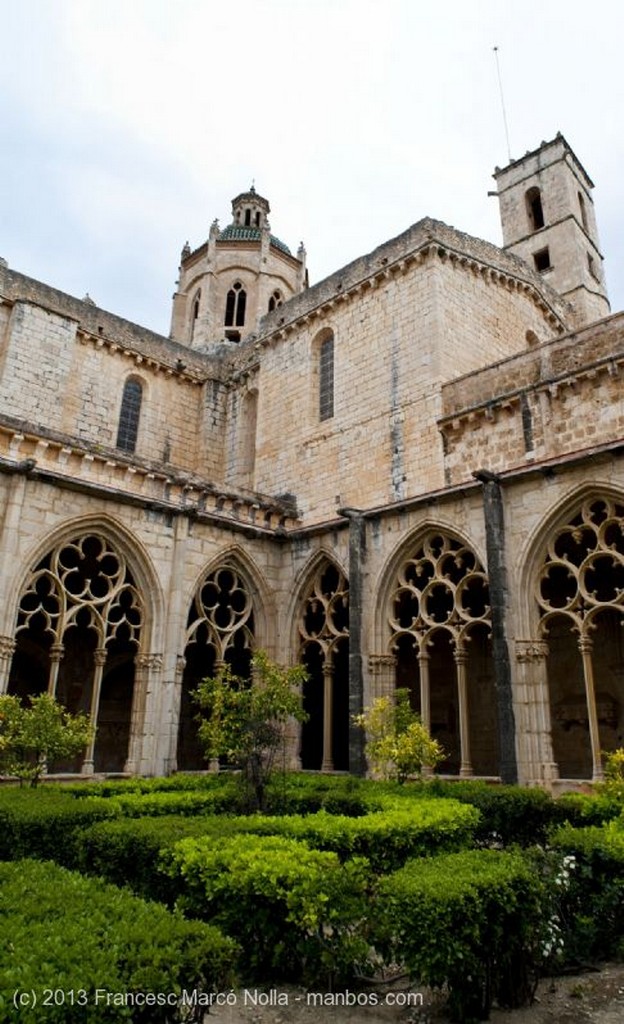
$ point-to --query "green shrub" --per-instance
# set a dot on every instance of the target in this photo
(470, 920)
(591, 904)
(510, 815)
(296, 912)
(127, 851)
(581, 809)
(74, 937)
(386, 838)
(44, 822)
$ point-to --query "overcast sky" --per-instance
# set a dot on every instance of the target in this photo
(127, 126)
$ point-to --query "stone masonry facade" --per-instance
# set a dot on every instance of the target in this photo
(409, 474)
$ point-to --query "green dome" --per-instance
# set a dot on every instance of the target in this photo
(236, 233)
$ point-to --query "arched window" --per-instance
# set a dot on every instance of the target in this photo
(235, 306)
(275, 301)
(129, 415)
(534, 209)
(580, 593)
(326, 379)
(78, 636)
(324, 650)
(219, 630)
(440, 627)
(195, 313)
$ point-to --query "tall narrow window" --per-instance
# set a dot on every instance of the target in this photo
(583, 211)
(195, 314)
(129, 415)
(235, 306)
(535, 209)
(326, 379)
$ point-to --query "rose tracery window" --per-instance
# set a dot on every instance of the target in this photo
(78, 632)
(219, 631)
(580, 595)
(324, 649)
(440, 633)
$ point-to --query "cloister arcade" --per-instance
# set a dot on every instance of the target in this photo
(84, 630)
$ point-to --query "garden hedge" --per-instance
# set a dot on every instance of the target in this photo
(470, 920)
(44, 822)
(296, 912)
(386, 838)
(591, 891)
(69, 940)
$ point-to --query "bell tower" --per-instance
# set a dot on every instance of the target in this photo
(548, 219)
(235, 278)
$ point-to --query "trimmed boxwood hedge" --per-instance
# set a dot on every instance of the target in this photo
(386, 838)
(470, 920)
(296, 912)
(127, 851)
(65, 938)
(591, 891)
(44, 822)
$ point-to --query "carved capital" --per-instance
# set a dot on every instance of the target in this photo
(149, 662)
(378, 663)
(531, 650)
(7, 648)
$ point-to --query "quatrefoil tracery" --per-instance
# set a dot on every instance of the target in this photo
(222, 612)
(325, 615)
(83, 582)
(442, 587)
(583, 572)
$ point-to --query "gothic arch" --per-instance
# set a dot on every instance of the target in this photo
(225, 622)
(576, 588)
(82, 633)
(321, 639)
(132, 549)
(386, 578)
(433, 626)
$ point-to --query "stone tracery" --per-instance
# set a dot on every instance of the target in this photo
(323, 629)
(439, 606)
(220, 630)
(78, 632)
(580, 593)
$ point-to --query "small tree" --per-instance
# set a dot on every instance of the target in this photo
(31, 737)
(246, 722)
(397, 743)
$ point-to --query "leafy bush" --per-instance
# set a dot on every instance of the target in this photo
(386, 838)
(296, 912)
(397, 743)
(74, 937)
(127, 851)
(470, 920)
(581, 809)
(33, 736)
(510, 815)
(44, 822)
(245, 721)
(591, 907)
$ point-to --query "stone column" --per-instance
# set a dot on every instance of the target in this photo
(147, 666)
(425, 688)
(586, 646)
(56, 656)
(7, 650)
(327, 764)
(99, 660)
(460, 656)
(171, 763)
(534, 727)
